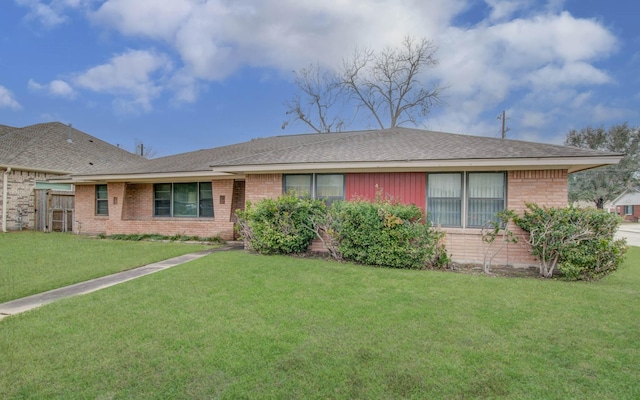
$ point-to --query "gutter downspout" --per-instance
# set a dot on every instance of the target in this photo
(5, 178)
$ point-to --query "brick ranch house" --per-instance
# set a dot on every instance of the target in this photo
(627, 205)
(460, 180)
(32, 155)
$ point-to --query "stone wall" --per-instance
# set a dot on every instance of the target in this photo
(21, 196)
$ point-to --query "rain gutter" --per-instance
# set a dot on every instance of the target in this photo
(5, 178)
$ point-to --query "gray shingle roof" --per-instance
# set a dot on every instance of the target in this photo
(4, 129)
(629, 197)
(395, 144)
(402, 144)
(45, 147)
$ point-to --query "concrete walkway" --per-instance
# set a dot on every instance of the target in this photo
(28, 303)
(631, 232)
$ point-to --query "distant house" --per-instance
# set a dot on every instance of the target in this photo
(31, 156)
(627, 205)
(459, 181)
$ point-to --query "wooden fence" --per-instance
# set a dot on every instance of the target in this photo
(54, 210)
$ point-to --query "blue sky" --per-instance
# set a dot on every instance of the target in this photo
(182, 75)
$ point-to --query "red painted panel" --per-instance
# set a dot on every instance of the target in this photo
(403, 187)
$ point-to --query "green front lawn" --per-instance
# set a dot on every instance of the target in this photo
(34, 262)
(235, 325)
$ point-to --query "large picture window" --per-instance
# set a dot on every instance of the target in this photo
(193, 199)
(328, 187)
(102, 200)
(468, 199)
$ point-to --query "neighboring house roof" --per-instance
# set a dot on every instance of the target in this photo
(394, 149)
(4, 129)
(46, 147)
(629, 197)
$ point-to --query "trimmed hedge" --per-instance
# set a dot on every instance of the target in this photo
(387, 234)
(381, 233)
(279, 226)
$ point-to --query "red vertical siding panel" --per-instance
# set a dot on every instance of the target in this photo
(404, 187)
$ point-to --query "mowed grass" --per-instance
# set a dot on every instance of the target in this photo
(34, 262)
(234, 325)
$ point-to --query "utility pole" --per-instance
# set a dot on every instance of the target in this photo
(505, 129)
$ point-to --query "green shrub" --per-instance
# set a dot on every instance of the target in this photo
(579, 242)
(279, 226)
(386, 233)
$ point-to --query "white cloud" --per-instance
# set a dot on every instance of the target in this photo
(43, 13)
(503, 9)
(51, 14)
(579, 73)
(214, 38)
(135, 74)
(7, 100)
(58, 88)
(534, 119)
(523, 46)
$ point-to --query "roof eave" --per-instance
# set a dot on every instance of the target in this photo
(144, 177)
(33, 169)
(573, 164)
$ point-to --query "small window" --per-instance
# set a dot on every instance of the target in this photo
(329, 188)
(628, 210)
(444, 199)
(102, 200)
(206, 200)
(193, 199)
(162, 200)
(485, 197)
(298, 184)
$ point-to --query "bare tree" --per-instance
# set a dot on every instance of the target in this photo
(143, 150)
(315, 105)
(387, 85)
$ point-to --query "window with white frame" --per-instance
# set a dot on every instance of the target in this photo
(328, 187)
(102, 200)
(465, 199)
(193, 199)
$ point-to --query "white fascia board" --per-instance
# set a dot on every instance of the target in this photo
(150, 177)
(572, 164)
(32, 169)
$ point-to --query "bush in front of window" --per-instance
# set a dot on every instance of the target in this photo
(279, 226)
(579, 242)
(387, 234)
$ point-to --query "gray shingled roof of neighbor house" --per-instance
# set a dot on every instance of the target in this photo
(383, 146)
(46, 147)
(4, 129)
(629, 197)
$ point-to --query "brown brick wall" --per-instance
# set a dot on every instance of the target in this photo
(138, 202)
(85, 211)
(131, 211)
(262, 186)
